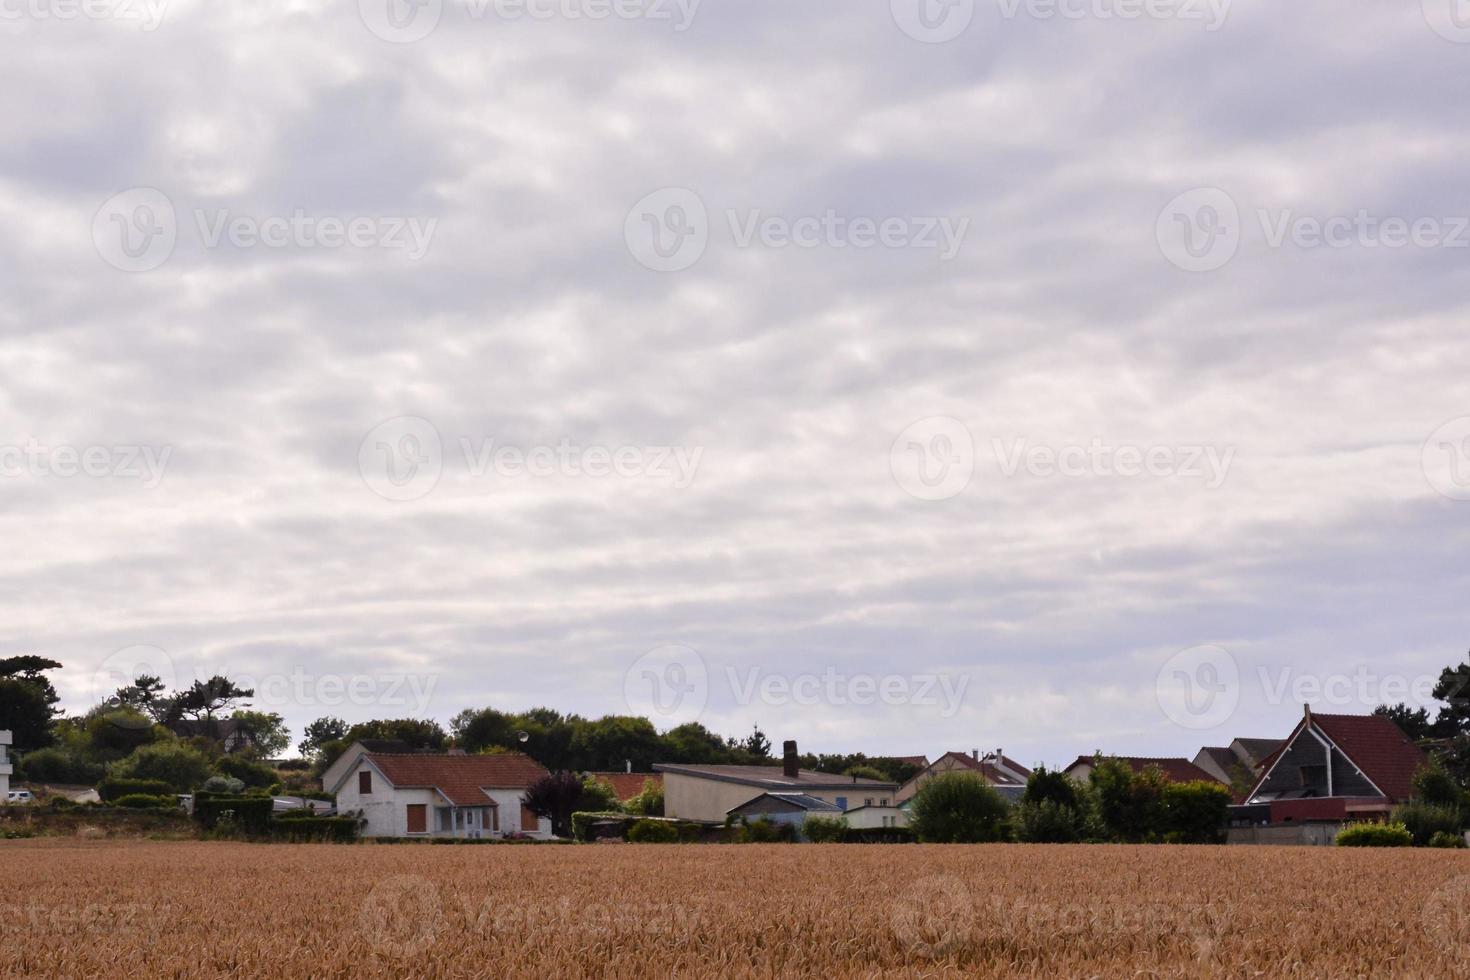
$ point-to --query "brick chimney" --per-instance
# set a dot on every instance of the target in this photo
(790, 763)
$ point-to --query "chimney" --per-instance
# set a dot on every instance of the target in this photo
(1307, 713)
(790, 765)
(1000, 756)
(975, 754)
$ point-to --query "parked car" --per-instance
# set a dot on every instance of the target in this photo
(19, 796)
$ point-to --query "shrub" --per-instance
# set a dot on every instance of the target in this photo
(114, 788)
(825, 830)
(880, 835)
(958, 808)
(183, 768)
(653, 832)
(1047, 822)
(649, 802)
(250, 814)
(58, 766)
(1196, 813)
(255, 775)
(1375, 835)
(1443, 838)
(766, 831)
(1050, 785)
(296, 828)
(143, 801)
(223, 785)
(1434, 785)
(1424, 820)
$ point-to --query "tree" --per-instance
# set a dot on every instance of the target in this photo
(145, 696)
(649, 802)
(598, 796)
(605, 744)
(556, 796)
(183, 767)
(267, 732)
(1453, 690)
(478, 730)
(319, 733)
(204, 699)
(864, 772)
(27, 700)
(1434, 785)
(115, 733)
(1050, 785)
(693, 744)
(958, 808)
(1414, 722)
(1130, 805)
(755, 745)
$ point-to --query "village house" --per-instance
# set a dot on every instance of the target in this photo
(436, 795)
(1334, 769)
(785, 808)
(877, 817)
(709, 793)
(1240, 760)
(5, 766)
(1005, 774)
(1175, 770)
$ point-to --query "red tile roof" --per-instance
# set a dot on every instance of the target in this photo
(628, 784)
(1175, 770)
(992, 775)
(462, 779)
(1378, 747)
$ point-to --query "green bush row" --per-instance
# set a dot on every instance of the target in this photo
(115, 788)
(1375, 835)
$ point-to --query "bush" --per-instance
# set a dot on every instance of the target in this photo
(653, 832)
(114, 789)
(1047, 822)
(223, 785)
(1051, 785)
(1443, 838)
(58, 766)
(1196, 813)
(649, 802)
(255, 775)
(959, 808)
(143, 801)
(879, 835)
(825, 830)
(249, 814)
(297, 829)
(1375, 835)
(1424, 820)
(183, 768)
(766, 831)
(1434, 785)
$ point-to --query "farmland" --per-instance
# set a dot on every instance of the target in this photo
(171, 909)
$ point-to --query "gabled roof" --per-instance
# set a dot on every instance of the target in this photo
(1175, 770)
(800, 800)
(1374, 744)
(922, 761)
(773, 778)
(992, 775)
(627, 784)
(460, 779)
(1258, 748)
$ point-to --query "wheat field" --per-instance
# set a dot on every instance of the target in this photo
(75, 908)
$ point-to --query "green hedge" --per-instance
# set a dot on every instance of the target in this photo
(1375, 835)
(326, 830)
(824, 830)
(116, 787)
(653, 832)
(880, 835)
(583, 819)
(251, 814)
(145, 801)
(1443, 839)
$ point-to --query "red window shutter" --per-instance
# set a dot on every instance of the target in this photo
(418, 818)
(530, 823)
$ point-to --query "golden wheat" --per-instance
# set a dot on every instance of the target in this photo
(164, 909)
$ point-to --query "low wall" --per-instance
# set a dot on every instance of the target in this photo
(1298, 834)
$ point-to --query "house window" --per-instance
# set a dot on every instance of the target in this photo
(1314, 776)
(418, 818)
(365, 782)
(868, 801)
(495, 818)
(883, 801)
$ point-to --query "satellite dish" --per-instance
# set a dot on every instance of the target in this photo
(524, 737)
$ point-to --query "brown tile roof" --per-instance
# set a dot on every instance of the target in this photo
(1379, 749)
(462, 779)
(1175, 770)
(771, 776)
(628, 784)
(992, 775)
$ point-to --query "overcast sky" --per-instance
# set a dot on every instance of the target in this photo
(905, 380)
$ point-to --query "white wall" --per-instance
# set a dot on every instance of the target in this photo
(510, 814)
(5, 766)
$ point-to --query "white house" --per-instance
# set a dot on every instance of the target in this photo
(432, 795)
(5, 767)
(866, 817)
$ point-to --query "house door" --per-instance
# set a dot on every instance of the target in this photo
(418, 818)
